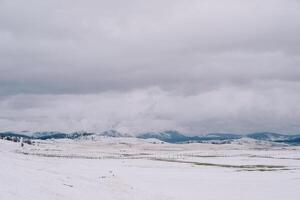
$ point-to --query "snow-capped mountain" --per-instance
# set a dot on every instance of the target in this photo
(166, 136)
(114, 133)
(170, 136)
(176, 137)
(267, 136)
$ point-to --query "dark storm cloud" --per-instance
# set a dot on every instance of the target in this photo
(89, 47)
(184, 49)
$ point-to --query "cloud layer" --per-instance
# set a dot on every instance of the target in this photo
(197, 66)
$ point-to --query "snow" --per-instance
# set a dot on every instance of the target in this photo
(130, 168)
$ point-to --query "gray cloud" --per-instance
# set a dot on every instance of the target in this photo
(227, 109)
(200, 56)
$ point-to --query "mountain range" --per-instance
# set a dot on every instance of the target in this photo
(176, 137)
(165, 136)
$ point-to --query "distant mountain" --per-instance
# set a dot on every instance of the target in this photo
(45, 135)
(275, 137)
(220, 136)
(114, 133)
(291, 139)
(267, 136)
(176, 137)
(13, 134)
(59, 135)
(166, 136)
(294, 140)
(49, 135)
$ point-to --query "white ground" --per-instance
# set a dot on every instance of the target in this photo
(113, 168)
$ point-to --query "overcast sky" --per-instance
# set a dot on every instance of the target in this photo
(197, 66)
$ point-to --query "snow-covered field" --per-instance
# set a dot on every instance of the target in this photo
(130, 168)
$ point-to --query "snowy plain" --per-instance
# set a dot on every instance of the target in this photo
(130, 168)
